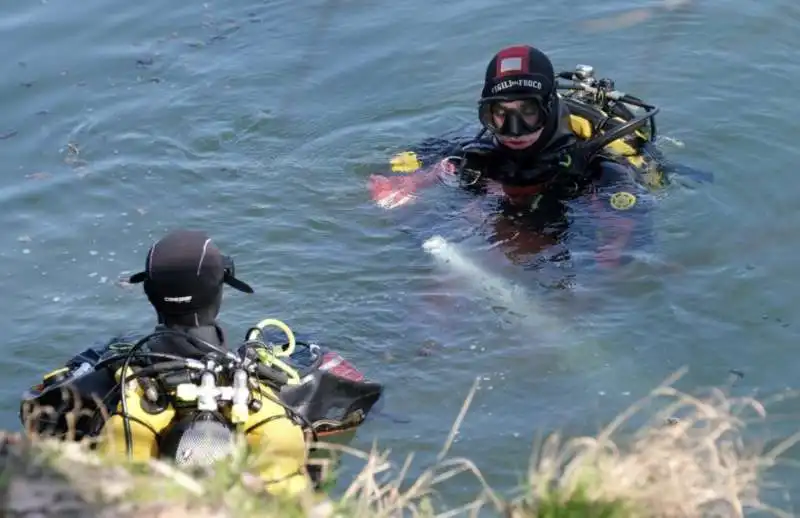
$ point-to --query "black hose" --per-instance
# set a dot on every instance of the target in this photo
(596, 144)
(126, 423)
(629, 99)
(158, 368)
(147, 355)
(273, 375)
(174, 362)
(270, 374)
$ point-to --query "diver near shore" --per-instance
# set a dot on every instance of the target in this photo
(188, 390)
(535, 153)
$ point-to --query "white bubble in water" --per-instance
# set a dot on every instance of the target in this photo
(26, 251)
(92, 252)
(93, 274)
(56, 299)
(103, 280)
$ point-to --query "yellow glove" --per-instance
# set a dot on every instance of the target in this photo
(405, 162)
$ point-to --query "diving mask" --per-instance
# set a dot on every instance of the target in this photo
(512, 118)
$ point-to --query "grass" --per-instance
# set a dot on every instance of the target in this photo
(689, 460)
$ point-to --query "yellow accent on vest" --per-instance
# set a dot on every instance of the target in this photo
(580, 127)
(647, 171)
(280, 445)
(623, 200)
(405, 162)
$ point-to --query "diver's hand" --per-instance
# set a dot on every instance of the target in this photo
(392, 192)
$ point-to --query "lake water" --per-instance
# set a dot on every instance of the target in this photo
(260, 123)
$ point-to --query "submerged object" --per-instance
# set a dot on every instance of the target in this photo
(546, 327)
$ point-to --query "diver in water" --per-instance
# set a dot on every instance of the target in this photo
(529, 156)
(183, 280)
(280, 393)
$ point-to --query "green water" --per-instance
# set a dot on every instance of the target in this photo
(261, 121)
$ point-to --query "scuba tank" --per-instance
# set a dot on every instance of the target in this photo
(192, 411)
(147, 415)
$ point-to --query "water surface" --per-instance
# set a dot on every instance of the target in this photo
(260, 122)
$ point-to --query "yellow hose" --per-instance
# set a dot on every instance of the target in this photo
(272, 359)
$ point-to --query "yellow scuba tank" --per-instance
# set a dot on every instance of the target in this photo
(279, 444)
(269, 429)
(146, 421)
(276, 440)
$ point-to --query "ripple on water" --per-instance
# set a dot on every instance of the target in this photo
(258, 122)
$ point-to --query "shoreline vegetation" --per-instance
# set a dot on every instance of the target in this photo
(689, 460)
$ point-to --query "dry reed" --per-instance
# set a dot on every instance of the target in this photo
(692, 466)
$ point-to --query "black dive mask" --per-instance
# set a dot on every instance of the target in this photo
(517, 121)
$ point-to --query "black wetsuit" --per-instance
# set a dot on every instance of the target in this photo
(540, 182)
(175, 344)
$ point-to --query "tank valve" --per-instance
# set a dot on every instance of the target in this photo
(584, 71)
